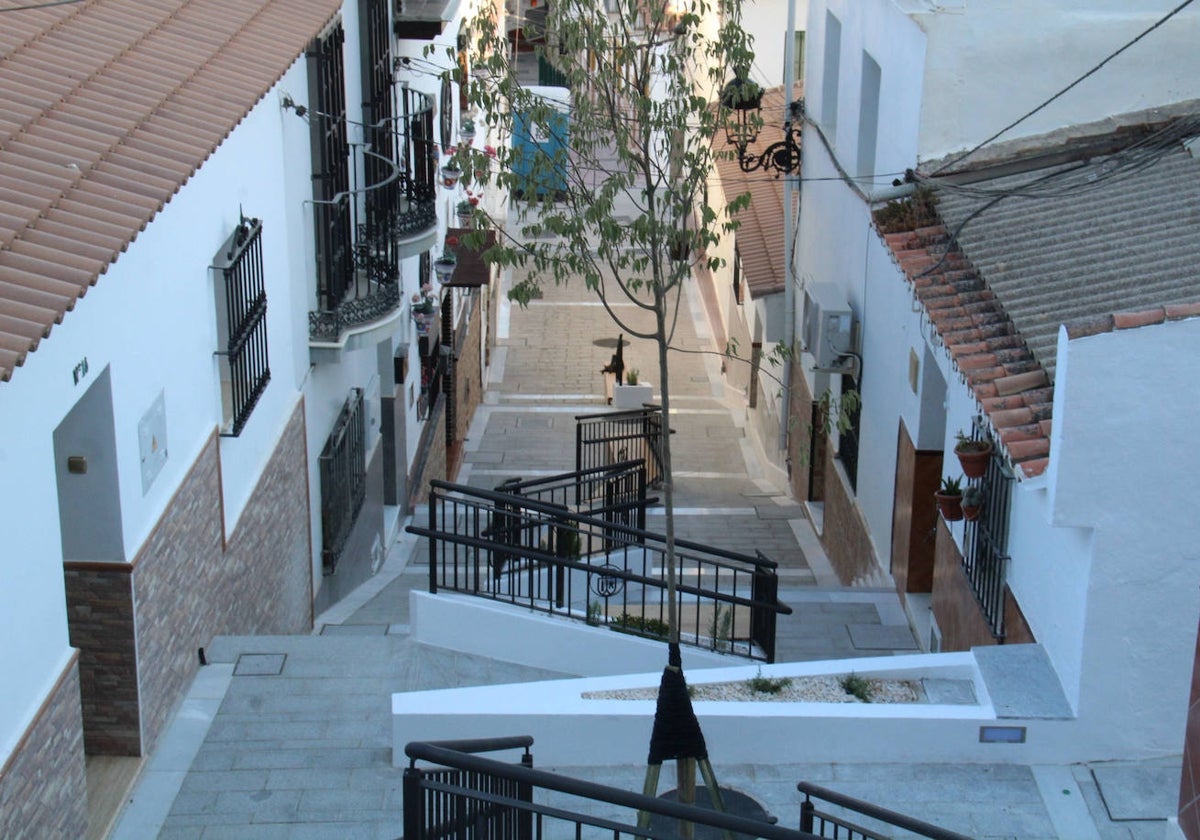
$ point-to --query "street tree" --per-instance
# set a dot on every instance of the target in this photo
(609, 180)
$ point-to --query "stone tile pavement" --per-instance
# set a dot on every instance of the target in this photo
(289, 737)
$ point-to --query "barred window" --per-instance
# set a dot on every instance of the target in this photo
(343, 464)
(241, 302)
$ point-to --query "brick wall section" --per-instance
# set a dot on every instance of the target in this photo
(799, 439)
(1189, 787)
(954, 606)
(189, 588)
(844, 533)
(100, 622)
(43, 786)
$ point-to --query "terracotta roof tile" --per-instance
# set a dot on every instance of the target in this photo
(980, 338)
(760, 232)
(109, 108)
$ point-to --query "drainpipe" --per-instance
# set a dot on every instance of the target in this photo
(790, 183)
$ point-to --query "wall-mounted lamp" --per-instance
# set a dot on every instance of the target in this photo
(742, 99)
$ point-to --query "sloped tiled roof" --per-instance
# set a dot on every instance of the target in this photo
(1112, 245)
(107, 107)
(760, 236)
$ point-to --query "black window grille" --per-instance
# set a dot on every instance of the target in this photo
(985, 539)
(331, 168)
(241, 300)
(383, 149)
(848, 439)
(343, 464)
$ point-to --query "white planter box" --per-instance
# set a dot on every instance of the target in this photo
(632, 396)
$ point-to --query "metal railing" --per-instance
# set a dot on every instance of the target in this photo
(468, 795)
(614, 493)
(242, 324)
(343, 469)
(826, 823)
(603, 439)
(985, 542)
(548, 558)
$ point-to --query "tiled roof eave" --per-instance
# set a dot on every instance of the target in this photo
(139, 97)
(1012, 390)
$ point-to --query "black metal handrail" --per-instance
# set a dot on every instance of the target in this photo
(548, 558)
(471, 800)
(817, 822)
(598, 491)
(602, 439)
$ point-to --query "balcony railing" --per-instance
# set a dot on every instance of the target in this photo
(360, 243)
(549, 558)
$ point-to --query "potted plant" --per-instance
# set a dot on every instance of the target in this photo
(972, 503)
(465, 210)
(949, 499)
(466, 130)
(422, 309)
(973, 455)
(450, 174)
(444, 265)
(634, 393)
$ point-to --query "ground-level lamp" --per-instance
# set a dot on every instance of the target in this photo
(742, 100)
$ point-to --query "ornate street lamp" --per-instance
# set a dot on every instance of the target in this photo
(742, 99)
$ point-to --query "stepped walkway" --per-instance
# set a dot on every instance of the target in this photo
(289, 737)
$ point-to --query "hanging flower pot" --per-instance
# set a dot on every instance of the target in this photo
(466, 132)
(972, 503)
(949, 499)
(444, 269)
(450, 175)
(973, 455)
(466, 212)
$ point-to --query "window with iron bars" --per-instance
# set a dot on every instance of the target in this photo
(343, 466)
(985, 539)
(241, 303)
(848, 440)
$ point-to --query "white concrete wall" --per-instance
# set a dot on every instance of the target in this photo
(1123, 466)
(151, 321)
(978, 78)
(762, 733)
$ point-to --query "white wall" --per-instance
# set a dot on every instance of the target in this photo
(979, 74)
(1124, 466)
(151, 321)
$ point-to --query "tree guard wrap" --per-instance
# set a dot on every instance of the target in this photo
(676, 731)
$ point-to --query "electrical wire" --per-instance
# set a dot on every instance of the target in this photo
(1089, 73)
(46, 5)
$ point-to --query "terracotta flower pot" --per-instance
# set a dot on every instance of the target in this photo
(950, 506)
(974, 461)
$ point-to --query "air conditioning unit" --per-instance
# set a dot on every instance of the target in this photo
(827, 326)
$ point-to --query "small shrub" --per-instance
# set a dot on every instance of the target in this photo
(631, 376)
(857, 686)
(594, 611)
(767, 685)
(641, 625)
(720, 628)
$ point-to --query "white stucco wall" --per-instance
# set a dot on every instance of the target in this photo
(977, 77)
(1124, 467)
(151, 321)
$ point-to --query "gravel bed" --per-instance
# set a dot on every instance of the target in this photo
(808, 689)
